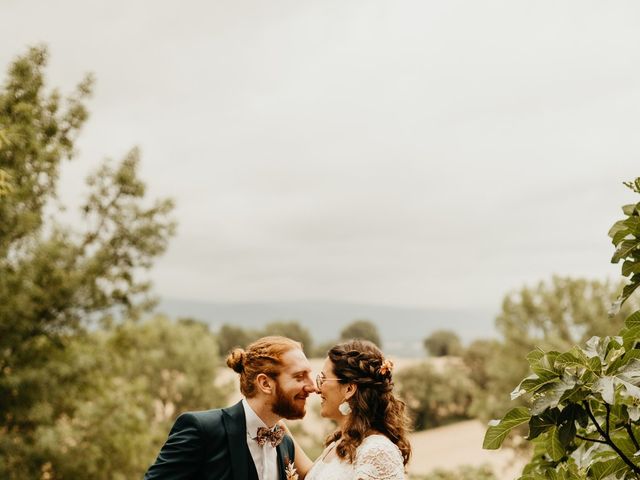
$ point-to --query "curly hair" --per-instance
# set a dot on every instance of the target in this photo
(262, 356)
(373, 406)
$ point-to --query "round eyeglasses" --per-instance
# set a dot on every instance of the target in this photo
(320, 379)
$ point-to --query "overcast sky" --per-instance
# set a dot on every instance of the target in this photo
(414, 153)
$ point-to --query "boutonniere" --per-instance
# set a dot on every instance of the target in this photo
(291, 472)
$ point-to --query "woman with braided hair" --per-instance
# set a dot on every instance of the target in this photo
(371, 442)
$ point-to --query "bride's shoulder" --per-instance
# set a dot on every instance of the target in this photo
(378, 445)
(377, 439)
(378, 457)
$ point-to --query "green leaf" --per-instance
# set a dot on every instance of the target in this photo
(553, 444)
(529, 385)
(620, 236)
(551, 394)
(615, 353)
(631, 287)
(496, 433)
(629, 209)
(534, 356)
(605, 386)
(633, 223)
(521, 389)
(571, 360)
(631, 371)
(633, 320)
(616, 228)
(624, 249)
(539, 424)
(608, 469)
(566, 433)
(600, 347)
(629, 390)
(593, 371)
(544, 367)
(625, 359)
(630, 337)
(575, 412)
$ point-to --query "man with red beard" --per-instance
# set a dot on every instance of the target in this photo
(243, 442)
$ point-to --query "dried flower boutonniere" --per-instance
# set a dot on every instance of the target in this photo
(291, 472)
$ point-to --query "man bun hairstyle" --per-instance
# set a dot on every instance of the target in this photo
(235, 360)
(262, 356)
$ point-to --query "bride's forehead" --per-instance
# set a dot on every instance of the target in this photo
(327, 366)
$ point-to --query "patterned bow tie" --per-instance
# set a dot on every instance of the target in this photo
(274, 437)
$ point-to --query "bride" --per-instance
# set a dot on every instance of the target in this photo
(371, 440)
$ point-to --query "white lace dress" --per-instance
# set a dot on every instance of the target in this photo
(377, 458)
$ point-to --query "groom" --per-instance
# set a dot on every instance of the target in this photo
(243, 442)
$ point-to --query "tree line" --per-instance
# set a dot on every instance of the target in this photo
(231, 336)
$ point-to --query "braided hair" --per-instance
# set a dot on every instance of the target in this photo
(373, 406)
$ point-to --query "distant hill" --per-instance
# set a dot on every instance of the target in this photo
(402, 328)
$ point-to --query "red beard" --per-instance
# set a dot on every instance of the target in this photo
(286, 407)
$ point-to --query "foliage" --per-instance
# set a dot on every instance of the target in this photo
(442, 343)
(320, 350)
(480, 360)
(625, 236)
(293, 330)
(435, 396)
(584, 413)
(465, 472)
(55, 281)
(120, 392)
(551, 315)
(230, 337)
(475, 358)
(363, 329)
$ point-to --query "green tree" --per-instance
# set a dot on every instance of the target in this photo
(476, 356)
(55, 280)
(442, 343)
(230, 337)
(320, 350)
(551, 315)
(122, 390)
(435, 396)
(584, 403)
(479, 361)
(363, 329)
(293, 330)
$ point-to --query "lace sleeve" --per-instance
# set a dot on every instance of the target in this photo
(378, 459)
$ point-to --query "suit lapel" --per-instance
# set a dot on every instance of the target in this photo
(282, 458)
(236, 426)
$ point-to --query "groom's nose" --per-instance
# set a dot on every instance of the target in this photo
(309, 389)
(310, 385)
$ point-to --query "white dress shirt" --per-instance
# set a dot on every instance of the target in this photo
(265, 457)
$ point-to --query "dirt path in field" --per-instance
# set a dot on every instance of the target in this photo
(460, 444)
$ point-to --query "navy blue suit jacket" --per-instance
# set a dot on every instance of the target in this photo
(211, 445)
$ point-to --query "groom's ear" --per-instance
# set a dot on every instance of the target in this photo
(265, 383)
